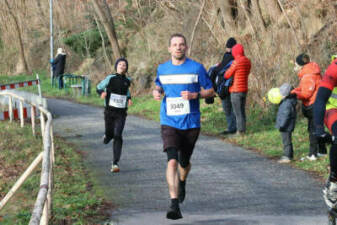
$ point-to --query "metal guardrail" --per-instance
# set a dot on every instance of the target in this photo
(43, 204)
(80, 82)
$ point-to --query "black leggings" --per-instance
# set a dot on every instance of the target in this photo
(333, 155)
(315, 146)
(114, 125)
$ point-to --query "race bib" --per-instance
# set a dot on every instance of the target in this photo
(118, 101)
(177, 106)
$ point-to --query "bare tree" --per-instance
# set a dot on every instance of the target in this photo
(195, 26)
(228, 9)
(274, 9)
(22, 66)
(104, 15)
(106, 57)
(290, 24)
(245, 12)
(258, 14)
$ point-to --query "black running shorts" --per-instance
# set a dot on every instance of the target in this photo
(183, 140)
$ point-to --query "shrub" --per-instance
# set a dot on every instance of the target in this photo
(86, 43)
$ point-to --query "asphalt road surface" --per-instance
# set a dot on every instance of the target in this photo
(228, 185)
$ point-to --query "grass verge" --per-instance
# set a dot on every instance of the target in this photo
(75, 200)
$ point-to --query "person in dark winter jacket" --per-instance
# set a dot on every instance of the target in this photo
(226, 102)
(285, 121)
(58, 65)
(115, 90)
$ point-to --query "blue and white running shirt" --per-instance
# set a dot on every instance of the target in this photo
(189, 76)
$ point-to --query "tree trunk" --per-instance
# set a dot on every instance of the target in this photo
(246, 14)
(109, 27)
(22, 66)
(106, 57)
(258, 15)
(228, 12)
(274, 9)
(195, 26)
(290, 24)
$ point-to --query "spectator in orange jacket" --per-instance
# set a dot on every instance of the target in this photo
(310, 77)
(240, 69)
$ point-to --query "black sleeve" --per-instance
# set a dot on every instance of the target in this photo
(225, 60)
(319, 107)
(99, 91)
(57, 59)
(129, 97)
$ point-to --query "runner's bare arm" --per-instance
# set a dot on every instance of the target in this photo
(157, 92)
(103, 95)
(206, 93)
(187, 95)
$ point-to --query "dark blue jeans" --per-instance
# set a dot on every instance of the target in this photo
(238, 100)
(60, 80)
(230, 117)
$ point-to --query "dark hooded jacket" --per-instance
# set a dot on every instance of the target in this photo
(59, 64)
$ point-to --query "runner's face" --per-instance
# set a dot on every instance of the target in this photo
(121, 67)
(177, 48)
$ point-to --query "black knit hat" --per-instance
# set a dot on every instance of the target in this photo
(230, 42)
(302, 59)
(122, 59)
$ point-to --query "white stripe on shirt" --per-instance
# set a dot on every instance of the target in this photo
(179, 79)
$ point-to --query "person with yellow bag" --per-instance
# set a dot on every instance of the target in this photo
(286, 118)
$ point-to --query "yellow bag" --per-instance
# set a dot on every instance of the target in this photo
(274, 96)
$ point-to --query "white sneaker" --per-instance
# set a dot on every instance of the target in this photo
(330, 194)
(114, 168)
(284, 159)
(321, 155)
(310, 158)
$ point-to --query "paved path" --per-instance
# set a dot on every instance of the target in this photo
(227, 185)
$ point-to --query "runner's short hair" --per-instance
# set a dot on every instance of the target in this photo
(177, 35)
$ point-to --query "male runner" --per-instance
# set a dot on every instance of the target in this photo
(182, 82)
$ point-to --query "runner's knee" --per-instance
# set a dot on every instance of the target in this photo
(118, 138)
(184, 163)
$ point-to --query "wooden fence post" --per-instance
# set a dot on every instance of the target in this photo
(10, 108)
(43, 123)
(22, 120)
(32, 116)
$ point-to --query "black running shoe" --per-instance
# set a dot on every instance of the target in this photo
(173, 213)
(181, 191)
(106, 139)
